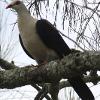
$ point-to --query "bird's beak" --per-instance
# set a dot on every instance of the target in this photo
(9, 6)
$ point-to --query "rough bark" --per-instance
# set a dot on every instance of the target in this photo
(54, 71)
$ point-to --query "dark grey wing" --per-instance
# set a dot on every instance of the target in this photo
(51, 37)
(21, 42)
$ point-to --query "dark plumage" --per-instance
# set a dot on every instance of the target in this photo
(51, 37)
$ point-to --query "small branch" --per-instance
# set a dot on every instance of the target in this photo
(88, 20)
(6, 65)
(42, 93)
(39, 90)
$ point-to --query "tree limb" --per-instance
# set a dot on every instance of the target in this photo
(52, 72)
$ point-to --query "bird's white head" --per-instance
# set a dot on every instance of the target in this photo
(18, 6)
(14, 4)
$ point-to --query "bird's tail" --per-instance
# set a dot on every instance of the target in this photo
(81, 88)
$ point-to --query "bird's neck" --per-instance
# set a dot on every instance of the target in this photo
(23, 13)
(26, 23)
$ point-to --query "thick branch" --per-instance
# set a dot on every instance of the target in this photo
(51, 72)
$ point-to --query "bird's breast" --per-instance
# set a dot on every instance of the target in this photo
(34, 45)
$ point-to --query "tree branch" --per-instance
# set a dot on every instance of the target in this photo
(6, 65)
(52, 72)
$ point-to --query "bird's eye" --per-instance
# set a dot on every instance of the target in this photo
(18, 2)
